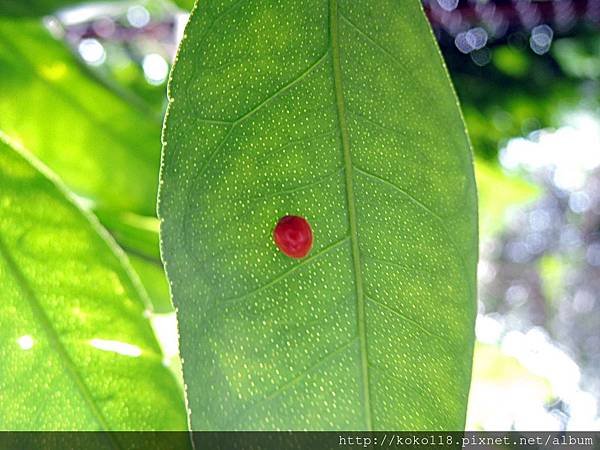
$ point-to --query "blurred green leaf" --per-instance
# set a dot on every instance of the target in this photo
(105, 148)
(138, 233)
(552, 271)
(124, 71)
(578, 57)
(138, 236)
(512, 61)
(519, 92)
(77, 352)
(152, 275)
(342, 112)
(33, 7)
(36, 8)
(185, 4)
(498, 192)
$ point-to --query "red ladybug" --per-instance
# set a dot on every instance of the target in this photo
(293, 236)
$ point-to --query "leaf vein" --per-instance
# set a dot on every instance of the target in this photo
(284, 89)
(305, 261)
(393, 59)
(292, 143)
(298, 188)
(294, 381)
(405, 317)
(414, 200)
(351, 202)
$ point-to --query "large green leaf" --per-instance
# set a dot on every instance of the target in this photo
(77, 352)
(340, 111)
(103, 148)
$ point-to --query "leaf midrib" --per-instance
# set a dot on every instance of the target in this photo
(351, 203)
(53, 338)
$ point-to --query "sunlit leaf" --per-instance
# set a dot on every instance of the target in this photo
(77, 351)
(102, 146)
(341, 112)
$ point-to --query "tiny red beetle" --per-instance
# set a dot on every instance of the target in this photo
(293, 236)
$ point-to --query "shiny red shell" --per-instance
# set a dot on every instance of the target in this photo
(293, 236)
